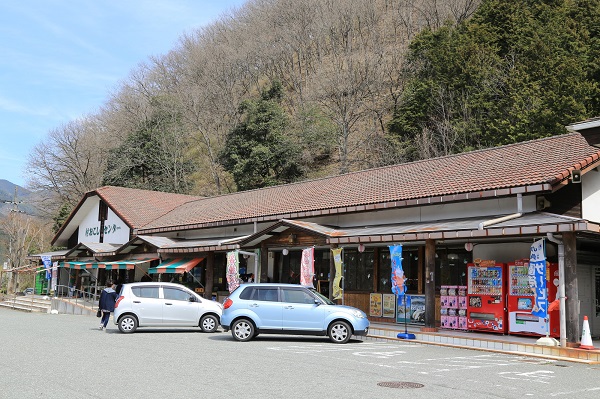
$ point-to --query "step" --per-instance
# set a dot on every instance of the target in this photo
(25, 300)
(11, 305)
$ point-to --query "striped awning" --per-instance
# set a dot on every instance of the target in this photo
(125, 264)
(175, 265)
(80, 265)
(121, 264)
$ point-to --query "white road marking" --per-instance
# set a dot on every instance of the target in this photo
(541, 376)
(572, 393)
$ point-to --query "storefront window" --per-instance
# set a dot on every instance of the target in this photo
(219, 279)
(410, 265)
(451, 266)
(358, 275)
(322, 259)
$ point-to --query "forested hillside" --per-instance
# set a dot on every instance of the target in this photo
(285, 90)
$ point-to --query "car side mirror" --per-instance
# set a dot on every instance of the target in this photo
(317, 302)
(192, 299)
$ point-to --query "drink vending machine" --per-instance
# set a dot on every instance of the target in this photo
(521, 299)
(486, 292)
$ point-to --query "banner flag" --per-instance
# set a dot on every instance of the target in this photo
(307, 266)
(398, 278)
(54, 276)
(337, 260)
(233, 271)
(537, 278)
(47, 261)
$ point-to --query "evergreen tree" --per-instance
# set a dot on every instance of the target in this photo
(257, 153)
(518, 70)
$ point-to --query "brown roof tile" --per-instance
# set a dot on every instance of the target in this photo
(536, 162)
(139, 207)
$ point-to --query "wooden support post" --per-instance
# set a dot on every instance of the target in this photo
(264, 264)
(571, 288)
(210, 272)
(430, 285)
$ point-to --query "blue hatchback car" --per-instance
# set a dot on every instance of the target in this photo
(271, 308)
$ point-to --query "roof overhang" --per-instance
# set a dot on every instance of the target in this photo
(93, 249)
(54, 255)
(202, 245)
(467, 229)
(532, 224)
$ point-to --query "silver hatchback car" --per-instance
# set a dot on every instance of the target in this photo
(151, 304)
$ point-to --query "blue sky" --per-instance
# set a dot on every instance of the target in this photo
(60, 59)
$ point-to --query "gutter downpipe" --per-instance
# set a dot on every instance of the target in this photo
(561, 288)
(519, 213)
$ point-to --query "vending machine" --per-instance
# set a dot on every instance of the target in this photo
(486, 296)
(521, 300)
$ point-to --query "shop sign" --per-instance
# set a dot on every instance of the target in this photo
(537, 278)
(415, 309)
(375, 309)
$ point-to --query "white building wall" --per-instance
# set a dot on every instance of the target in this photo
(115, 230)
(590, 194)
(508, 252)
(479, 208)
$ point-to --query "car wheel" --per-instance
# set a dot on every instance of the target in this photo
(128, 324)
(339, 332)
(242, 330)
(209, 323)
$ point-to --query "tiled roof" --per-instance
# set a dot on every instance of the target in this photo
(538, 162)
(139, 207)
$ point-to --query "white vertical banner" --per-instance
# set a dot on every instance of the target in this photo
(307, 267)
(47, 262)
(54, 276)
(537, 278)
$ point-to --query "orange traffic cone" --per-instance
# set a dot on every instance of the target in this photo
(586, 337)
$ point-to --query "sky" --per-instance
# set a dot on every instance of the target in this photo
(61, 59)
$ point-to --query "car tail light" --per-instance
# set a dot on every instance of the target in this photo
(228, 302)
(119, 300)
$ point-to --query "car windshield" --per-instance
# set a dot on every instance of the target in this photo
(322, 297)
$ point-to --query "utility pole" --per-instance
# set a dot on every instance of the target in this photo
(13, 279)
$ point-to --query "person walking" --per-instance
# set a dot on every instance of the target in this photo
(108, 297)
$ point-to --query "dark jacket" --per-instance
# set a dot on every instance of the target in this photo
(108, 297)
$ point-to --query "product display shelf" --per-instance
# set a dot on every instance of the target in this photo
(453, 300)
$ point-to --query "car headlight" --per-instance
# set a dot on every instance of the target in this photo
(358, 314)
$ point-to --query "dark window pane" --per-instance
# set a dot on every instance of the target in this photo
(145, 292)
(266, 294)
(358, 274)
(297, 296)
(175, 294)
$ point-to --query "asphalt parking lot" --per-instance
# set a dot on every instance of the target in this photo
(66, 356)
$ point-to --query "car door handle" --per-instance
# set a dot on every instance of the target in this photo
(137, 302)
(167, 303)
(288, 307)
(254, 305)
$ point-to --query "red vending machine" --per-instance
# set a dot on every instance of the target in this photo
(486, 293)
(521, 300)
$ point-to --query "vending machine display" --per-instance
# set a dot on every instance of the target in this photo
(486, 293)
(521, 300)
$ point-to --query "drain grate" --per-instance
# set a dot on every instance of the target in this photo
(400, 384)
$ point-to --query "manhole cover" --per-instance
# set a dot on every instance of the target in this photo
(400, 384)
